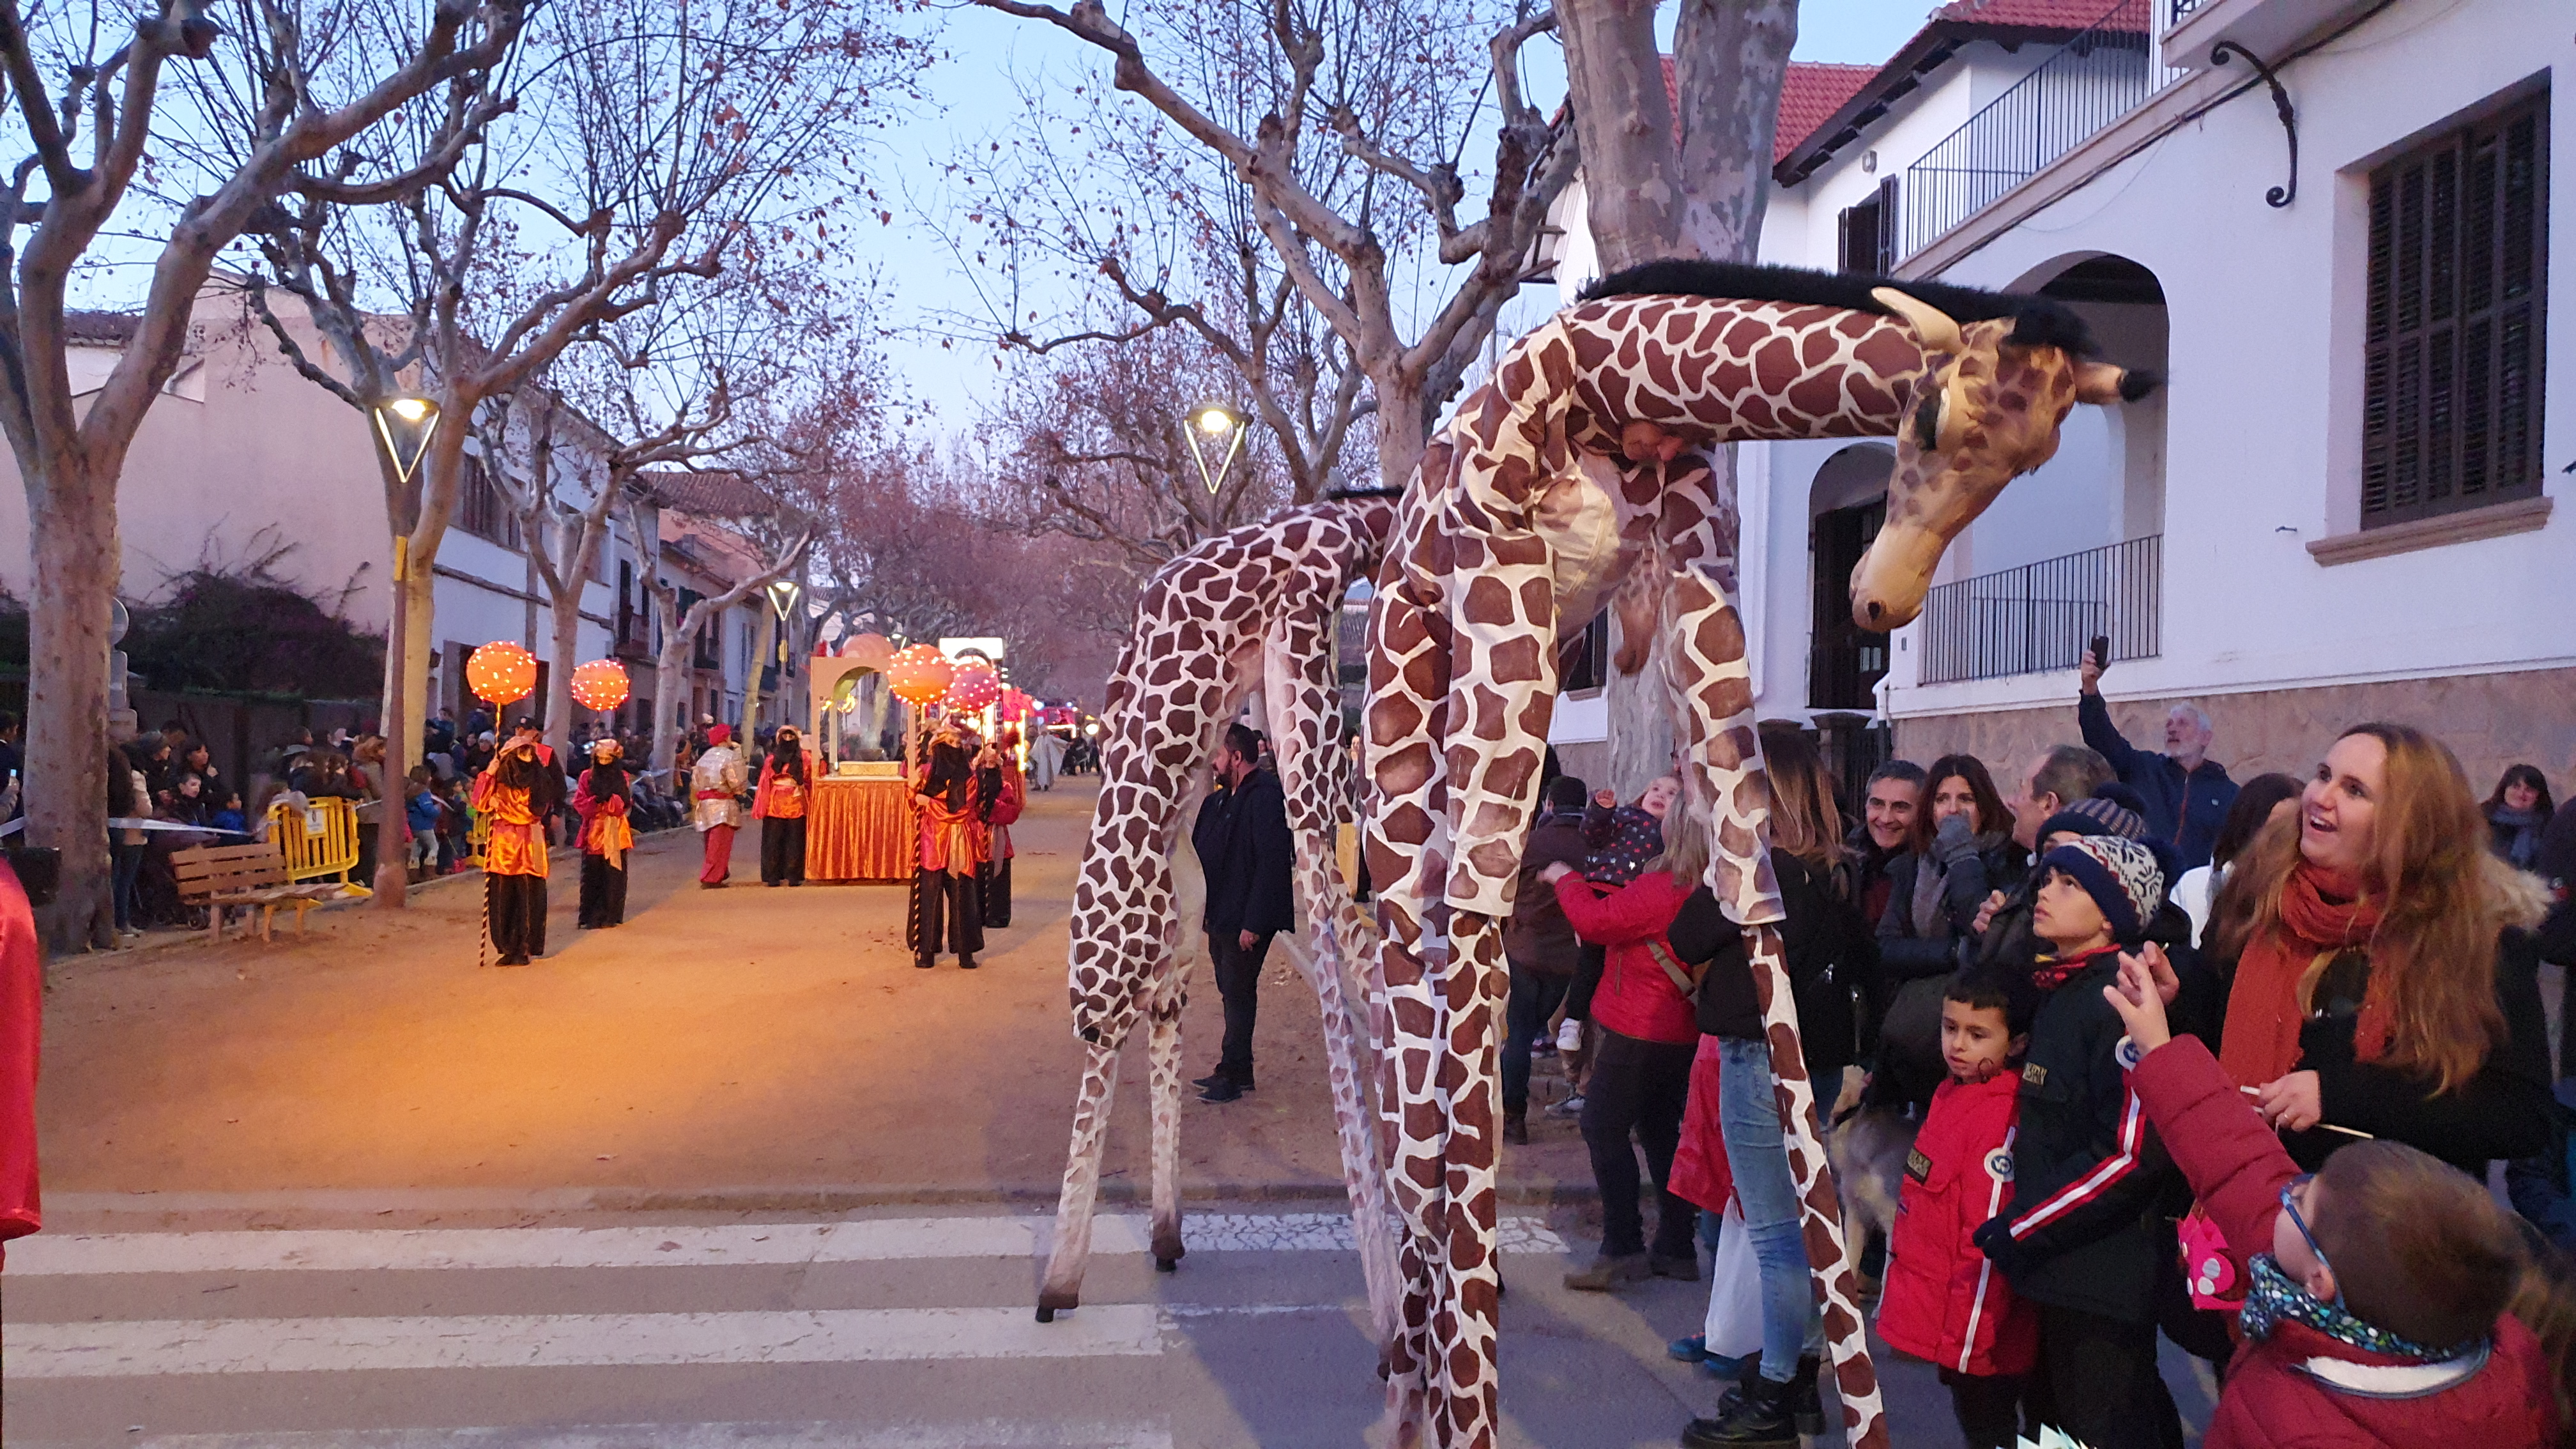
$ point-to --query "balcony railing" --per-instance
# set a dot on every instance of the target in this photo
(2092, 80)
(2044, 615)
(2180, 9)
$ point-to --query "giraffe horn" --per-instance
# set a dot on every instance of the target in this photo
(1934, 328)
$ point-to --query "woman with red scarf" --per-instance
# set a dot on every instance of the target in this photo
(2382, 979)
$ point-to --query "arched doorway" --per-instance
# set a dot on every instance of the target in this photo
(1845, 504)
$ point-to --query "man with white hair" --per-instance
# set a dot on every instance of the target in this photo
(2186, 792)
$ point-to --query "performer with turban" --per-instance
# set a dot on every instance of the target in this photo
(949, 807)
(606, 836)
(715, 785)
(516, 792)
(786, 783)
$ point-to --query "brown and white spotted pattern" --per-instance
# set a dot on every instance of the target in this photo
(1253, 605)
(1522, 514)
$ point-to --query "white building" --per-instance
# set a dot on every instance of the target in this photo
(2342, 505)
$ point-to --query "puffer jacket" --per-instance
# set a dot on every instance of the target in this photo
(1637, 997)
(1944, 1300)
(2298, 1388)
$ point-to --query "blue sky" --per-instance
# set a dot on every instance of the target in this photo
(961, 94)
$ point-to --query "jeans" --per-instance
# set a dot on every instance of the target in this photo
(1238, 982)
(1755, 1153)
(1534, 998)
(2099, 1381)
(1638, 1086)
(128, 867)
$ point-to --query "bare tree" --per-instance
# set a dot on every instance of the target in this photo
(1349, 76)
(667, 151)
(298, 87)
(788, 537)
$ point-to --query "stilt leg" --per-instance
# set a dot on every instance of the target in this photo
(1071, 1255)
(1163, 1079)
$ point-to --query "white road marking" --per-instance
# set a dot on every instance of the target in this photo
(730, 1245)
(146, 1348)
(985, 1434)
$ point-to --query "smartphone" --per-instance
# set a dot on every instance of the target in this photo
(2101, 652)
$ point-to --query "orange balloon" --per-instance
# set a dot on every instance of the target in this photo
(919, 674)
(873, 650)
(501, 672)
(600, 684)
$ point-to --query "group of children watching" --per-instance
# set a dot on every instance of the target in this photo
(2385, 1299)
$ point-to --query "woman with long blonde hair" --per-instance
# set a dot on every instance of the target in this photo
(2381, 978)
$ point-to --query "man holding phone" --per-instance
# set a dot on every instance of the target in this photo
(2186, 792)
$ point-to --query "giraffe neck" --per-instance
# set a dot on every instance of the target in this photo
(1746, 371)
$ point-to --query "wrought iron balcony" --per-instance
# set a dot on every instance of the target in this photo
(2044, 615)
(2092, 80)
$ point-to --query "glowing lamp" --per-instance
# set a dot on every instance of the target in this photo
(501, 672)
(919, 674)
(600, 685)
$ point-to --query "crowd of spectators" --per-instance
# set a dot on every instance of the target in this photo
(2112, 1010)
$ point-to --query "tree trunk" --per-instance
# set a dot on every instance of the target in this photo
(564, 617)
(1730, 58)
(1623, 121)
(670, 703)
(1401, 427)
(73, 509)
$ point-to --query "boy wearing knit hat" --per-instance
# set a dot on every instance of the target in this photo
(2082, 1236)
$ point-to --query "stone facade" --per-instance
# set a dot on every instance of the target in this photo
(2490, 720)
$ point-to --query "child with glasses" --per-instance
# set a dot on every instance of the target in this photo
(2397, 1302)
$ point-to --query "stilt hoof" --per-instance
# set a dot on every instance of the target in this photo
(1046, 1315)
(1052, 1301)
(1167, 1265)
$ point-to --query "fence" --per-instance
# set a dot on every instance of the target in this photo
(2044, 615)
(2092, 80)
(319, 840)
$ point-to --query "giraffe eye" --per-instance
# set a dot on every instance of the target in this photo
(1927, 422)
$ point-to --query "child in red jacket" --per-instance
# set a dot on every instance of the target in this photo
(1944, 1300)
(2392, 1307)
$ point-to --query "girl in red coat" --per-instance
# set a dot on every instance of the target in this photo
(2395, 1305)
(1945, 1300)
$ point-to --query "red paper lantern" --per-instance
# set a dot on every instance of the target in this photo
(974, 687)
(501, 672)
(600, 684)
(919, 674)
(873, 650)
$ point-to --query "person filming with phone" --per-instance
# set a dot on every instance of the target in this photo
(2187, 793)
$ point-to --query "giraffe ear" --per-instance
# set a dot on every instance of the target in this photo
(1935, 329)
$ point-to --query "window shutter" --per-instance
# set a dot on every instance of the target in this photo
(2451, 335)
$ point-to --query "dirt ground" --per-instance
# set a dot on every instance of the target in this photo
(736, 1049)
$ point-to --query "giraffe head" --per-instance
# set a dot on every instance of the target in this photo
(1985, 410)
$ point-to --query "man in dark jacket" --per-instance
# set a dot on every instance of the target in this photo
(1539, 943)
(1889, 801)
(2186, 792)
(1245, 852)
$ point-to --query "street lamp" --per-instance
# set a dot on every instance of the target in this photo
(404, 425)
(1209, 423)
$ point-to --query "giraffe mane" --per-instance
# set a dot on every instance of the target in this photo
(2037, 321)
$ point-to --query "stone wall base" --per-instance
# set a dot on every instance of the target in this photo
(2489, 720)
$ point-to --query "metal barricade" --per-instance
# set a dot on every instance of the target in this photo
(319, 839)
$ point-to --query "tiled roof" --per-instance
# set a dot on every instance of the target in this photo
(2037, 14)
(1809, 95)
(708, 495)
(113, 329)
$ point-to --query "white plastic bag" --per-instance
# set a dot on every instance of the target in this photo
(1734, 1327)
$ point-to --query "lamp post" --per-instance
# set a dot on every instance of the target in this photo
(782, 597)
(404, 426)
(1212, 423)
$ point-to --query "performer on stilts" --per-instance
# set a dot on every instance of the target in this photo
(786, 782)
(948, 805)
(517, 791)
(606, 836)
(1005, 794)
(715, 788)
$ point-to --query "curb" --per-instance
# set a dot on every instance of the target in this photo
(783, 1198)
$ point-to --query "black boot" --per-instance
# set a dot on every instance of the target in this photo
(1758, 1419)
(1806, 1400)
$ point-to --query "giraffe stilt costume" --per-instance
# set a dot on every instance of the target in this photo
(1253, 607)
(1584, 433)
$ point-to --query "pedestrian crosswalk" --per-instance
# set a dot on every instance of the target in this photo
(915, 1332)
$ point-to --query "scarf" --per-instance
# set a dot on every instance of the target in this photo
(2272, 1299)
(2054, 972)
(2323, 913)
(1931, 882)
(2524, 852)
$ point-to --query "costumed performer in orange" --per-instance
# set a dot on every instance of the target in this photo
(786, 784)
(517, 791)
(949, 808)
(1005, 794)
(606, 835)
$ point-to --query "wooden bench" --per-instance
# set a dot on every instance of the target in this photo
(220, 876)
